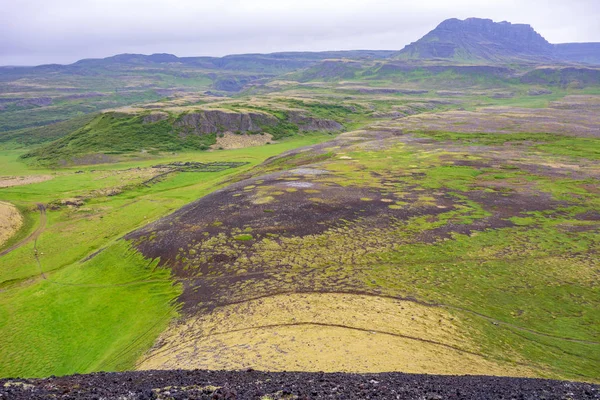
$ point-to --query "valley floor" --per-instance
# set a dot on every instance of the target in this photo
(469, 248)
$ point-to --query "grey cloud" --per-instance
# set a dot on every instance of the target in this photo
(44, 31)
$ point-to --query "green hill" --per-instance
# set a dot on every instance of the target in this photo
(114, 133)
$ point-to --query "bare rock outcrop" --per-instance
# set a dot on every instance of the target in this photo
(306, 123)
(155, 117)
(205, 122)
(216, 121)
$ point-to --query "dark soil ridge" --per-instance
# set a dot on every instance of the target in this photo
(291, 215)
(251, 384)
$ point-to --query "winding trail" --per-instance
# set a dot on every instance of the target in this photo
(34, 235)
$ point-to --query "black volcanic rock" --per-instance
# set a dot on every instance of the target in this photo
(291, 385)
(480, 39)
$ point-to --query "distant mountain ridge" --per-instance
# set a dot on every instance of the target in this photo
(578, 52)
(476, 39)
(469, 40)
(255, 62)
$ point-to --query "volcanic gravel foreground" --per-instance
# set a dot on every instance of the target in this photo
(251, 384)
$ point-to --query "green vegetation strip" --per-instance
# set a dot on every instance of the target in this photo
(78, 299)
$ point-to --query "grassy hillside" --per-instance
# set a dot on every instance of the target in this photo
(38, 96)
(58, 313)
(40, 135)
(180, 128)
(112, 133)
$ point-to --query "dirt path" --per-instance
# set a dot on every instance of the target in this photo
(34, 235)
(10, 181)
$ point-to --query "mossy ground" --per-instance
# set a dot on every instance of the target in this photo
(484, 232)
(349, 332)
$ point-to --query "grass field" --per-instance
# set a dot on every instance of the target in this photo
(61, 313)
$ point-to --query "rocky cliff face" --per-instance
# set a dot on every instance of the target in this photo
(220, 121)
(116, 132)
(217, 121)
(309, 124)
(480, 39)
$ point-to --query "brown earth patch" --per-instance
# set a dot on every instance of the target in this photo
(588, 216)
(510, 157)
(323, 332)
(231, 140)
(505, 205)
(583, 170)
(9, 181)
(500, 205)
(10, 221)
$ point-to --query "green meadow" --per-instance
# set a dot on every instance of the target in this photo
(63, 311)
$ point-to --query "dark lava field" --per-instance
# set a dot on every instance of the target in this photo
(251, 384)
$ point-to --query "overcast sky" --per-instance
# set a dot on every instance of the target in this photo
(62, 31)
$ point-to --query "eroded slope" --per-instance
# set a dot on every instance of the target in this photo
(494, 240)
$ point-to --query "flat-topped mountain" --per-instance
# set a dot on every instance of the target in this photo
(479, 39)
(476, 39)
